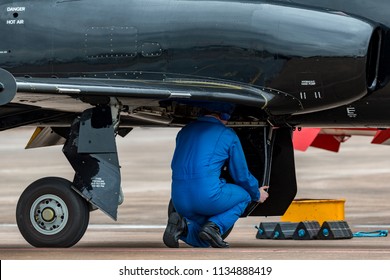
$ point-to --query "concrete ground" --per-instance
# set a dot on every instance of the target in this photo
(359, 173)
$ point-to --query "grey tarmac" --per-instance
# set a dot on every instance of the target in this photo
(359, 173)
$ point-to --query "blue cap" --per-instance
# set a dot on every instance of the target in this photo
(224, 116)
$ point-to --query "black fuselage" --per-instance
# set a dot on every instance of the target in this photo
(323, 59)
(371, 111)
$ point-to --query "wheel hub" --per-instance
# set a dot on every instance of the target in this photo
(49, 214)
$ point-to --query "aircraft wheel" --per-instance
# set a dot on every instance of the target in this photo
(50, 214)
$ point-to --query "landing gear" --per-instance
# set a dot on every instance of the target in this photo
(50, 214)
(54, 212)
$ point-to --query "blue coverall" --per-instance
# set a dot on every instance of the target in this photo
(198, 192)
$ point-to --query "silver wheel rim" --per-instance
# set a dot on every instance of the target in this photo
(49, 214)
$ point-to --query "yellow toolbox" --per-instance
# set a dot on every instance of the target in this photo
(315, 210)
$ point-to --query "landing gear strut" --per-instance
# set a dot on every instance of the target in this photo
(91, 150)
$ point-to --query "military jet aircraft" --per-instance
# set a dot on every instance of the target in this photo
(85, 71)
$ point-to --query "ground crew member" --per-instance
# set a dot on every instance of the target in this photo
(206, 205)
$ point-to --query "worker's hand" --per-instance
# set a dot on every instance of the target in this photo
(263, 194)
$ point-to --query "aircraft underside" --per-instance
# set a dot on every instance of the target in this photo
(54, 212)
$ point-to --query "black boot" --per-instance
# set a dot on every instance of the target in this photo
(176, 227)
(210, 232)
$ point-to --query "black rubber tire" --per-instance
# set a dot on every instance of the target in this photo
(57, 194)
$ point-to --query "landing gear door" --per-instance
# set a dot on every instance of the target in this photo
(282, 179)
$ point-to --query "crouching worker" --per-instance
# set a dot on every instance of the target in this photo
(206, 205)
